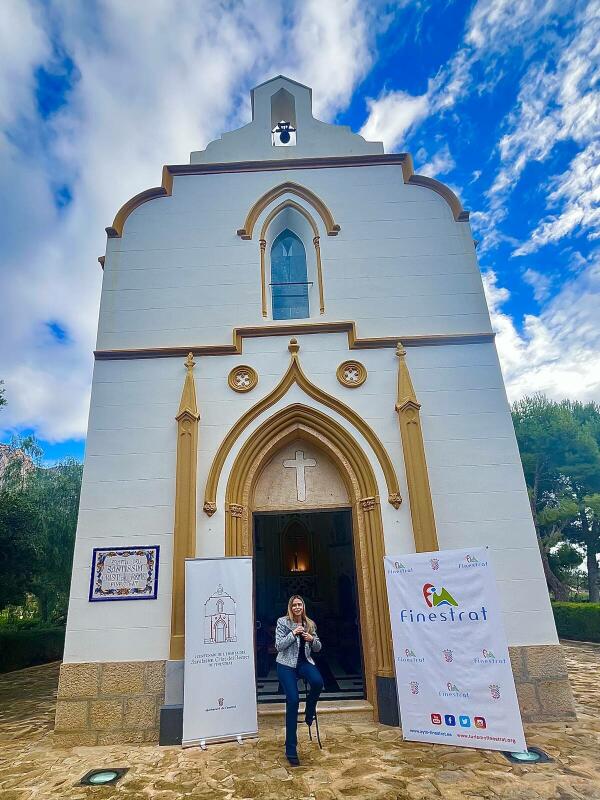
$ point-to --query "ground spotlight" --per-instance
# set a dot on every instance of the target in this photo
(102, 777)
(533, 755)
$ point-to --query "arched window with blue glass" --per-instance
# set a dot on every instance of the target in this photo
(289, 284)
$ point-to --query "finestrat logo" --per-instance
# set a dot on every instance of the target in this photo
(436, 599)
(433, 598)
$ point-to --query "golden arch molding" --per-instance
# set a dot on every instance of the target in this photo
(289, 187)
(329, 436)
(296, 375)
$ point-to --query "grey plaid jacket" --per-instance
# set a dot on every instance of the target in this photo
(288, 645)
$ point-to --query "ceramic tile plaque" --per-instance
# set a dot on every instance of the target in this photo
(124, 573)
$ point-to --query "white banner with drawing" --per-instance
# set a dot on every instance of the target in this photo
(453, 673)
(219, 695)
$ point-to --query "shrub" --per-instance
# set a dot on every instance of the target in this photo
(22, 647)
(579, 621)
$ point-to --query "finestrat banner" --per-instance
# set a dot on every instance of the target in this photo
(453, 674)
(219, 690)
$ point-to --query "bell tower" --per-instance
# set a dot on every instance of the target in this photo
(283, 127)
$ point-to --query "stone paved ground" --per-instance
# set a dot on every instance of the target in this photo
(364, 761)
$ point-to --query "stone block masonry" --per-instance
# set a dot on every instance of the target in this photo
(109, 703)
(542, 683)
(119, 702)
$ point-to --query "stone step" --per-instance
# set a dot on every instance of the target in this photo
(272, 715)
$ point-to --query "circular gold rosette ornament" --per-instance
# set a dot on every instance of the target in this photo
(243, 379)
(351, 374)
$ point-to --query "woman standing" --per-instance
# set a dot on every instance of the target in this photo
(295, 639)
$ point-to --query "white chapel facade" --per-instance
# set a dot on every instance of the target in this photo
(294, 361)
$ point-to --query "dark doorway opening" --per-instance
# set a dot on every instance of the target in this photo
(310, 554)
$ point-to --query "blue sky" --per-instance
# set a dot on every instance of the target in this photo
(497, 99)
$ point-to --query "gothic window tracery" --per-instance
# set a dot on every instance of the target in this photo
(289, 284)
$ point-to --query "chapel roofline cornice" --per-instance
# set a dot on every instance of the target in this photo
(404, 160)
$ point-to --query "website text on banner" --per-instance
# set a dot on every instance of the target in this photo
(453, 673)
(219, 690)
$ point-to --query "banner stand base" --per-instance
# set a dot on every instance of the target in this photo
(387, 701)
(236, 737)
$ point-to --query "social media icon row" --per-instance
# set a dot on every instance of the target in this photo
(464, 721)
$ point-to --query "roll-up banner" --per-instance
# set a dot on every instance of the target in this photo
(219, 690)
(453, 673)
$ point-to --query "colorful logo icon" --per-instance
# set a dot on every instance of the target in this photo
(471, 559)
(495, 691)
(488, 654)
(448, 655)
(433, 598)
(399, 565)
(435, 563)
(414, 687)
(480, 722)
(409, 653)
(436, 719)
(450, 720)
(464, 721)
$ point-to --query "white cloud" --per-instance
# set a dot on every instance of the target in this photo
(540, 283)
(558, 100)
(558, 351)
(392, 115)
(332, 51)
(440, 164)
(22, 46)
(156, 80)
(577, 196)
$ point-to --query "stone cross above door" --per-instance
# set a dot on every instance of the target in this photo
(299, 463)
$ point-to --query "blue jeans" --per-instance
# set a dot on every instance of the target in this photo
(288, 678)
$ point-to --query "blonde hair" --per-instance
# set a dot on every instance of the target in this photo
(310, 625)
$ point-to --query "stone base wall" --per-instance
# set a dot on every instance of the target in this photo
(109, 703)
(120, 702)
(542, 683)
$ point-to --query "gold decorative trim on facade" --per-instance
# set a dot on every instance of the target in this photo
(289, 187)
(242, 378)
(288, 204)
(410, 177)
(293, 375)
(263, 278)
(165, 190)
(417, 477)
(236, 510)
(395, 500)
(296, 329)
(368, 503)
(300, 421)
(209, 508)
(351, 374)
(184, 532)
(316, 242)
(403, 160)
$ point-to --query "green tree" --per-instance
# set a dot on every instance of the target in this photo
(2, 397)
(54, 492)
(39, 505)
(560, 452)
(18, 555)
(583, 470)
